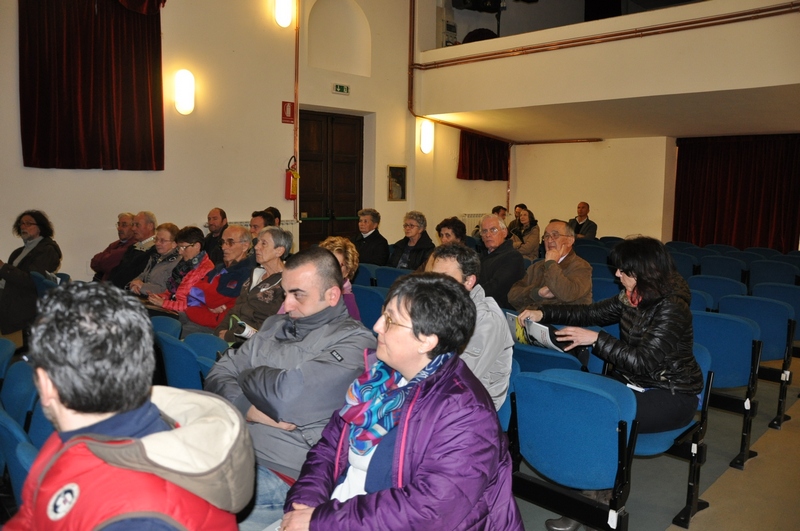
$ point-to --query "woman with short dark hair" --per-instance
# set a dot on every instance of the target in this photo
(39, 253)
(193, 266)
(417, 444)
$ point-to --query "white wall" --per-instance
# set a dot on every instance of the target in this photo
(629, 183)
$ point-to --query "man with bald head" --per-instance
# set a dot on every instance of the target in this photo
(106, 260)
(582, 225)
(136, 256)
(562, 277)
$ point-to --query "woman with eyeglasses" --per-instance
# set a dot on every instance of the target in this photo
(39, 253)
(262, 294)
(525, 235)
(414, 249)
(653, 354)
(417, 444)
(163, 259)
(193, 266)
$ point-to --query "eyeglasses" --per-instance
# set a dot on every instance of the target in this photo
(159, 240)
(410, 226)
(185, 246)
(389, 322)
(230, 242)
(493, 230)
(551, 236)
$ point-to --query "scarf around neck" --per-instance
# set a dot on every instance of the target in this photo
(375, 399)
(181, 269)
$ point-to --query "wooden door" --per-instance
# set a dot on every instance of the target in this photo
(331, 161)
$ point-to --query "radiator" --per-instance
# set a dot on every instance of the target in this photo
(471, 221)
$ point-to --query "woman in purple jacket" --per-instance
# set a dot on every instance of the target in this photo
(417, 444)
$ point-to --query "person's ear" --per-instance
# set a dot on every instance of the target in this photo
(47, 391)
(427, 343)
(470, 282)
(332, 295)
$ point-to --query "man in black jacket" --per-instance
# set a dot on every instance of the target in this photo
(135, 258)
(501, 264)
(371, 245)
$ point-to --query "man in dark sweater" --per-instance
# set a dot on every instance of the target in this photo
(501, 264)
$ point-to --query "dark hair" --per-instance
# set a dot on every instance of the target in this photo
(222, 213)
(455, 225)
(498, 209)
(190, 235)
(275, 213)
(437, 305)
(41, 219)
(520, 205)
(649, 262)
(96, 344)
(468, 260)
(269, 219)
(531, 217)
(328, 270)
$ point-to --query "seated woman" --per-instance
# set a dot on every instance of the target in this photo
(654, 353)
(526, 235)
(417, 444)
(193, 266)
(414, 249)
(39, 253)
(346, 254)
(450, 230)
(160, 264)
(262, 294)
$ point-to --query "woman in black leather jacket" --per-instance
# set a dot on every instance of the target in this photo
(654, 353)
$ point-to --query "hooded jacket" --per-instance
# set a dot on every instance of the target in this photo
(451, 468)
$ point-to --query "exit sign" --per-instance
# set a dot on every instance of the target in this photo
(341, 89)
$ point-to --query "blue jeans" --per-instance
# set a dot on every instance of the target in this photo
(270, 496)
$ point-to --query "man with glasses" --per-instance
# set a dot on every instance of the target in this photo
(105, 261)
(501, 264)
(292, 373)
(562, 277)
(135, 258)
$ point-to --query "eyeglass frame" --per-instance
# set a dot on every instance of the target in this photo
(389, 322)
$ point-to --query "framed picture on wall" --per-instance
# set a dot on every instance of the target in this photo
(397, 183)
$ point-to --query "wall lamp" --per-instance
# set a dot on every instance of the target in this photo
(283, 12)
(426, 136)
(184, 92)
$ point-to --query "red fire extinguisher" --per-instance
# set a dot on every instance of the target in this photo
(292, 179)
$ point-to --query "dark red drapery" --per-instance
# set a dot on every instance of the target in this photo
(482, 158)
(742, 191)
(90, 84)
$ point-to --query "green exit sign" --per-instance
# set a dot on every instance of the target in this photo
(341, 89)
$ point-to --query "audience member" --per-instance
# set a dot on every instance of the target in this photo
(210, 297)
(562, 277)
(137, 255)
(217, 223)
(262, 294)
(525, 236)
(125, 455)
(372, 247)
(517, 211)
(582, 225)
(414, 249)
(500, 211)
(345, 252)
(501, 264)
(489, 350)
(654, 351)
(193, 266)
(275, 214)
(159, 268)
(106, 260)
(258, 220)
(39, 253)
(287, 378)
(417, 444)
(451, 230)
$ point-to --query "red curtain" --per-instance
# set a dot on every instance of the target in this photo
(90, 84)
(482, 158)
(742, 191)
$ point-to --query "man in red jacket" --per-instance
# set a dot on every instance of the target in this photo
(103, 262)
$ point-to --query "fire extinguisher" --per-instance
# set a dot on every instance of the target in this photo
(292, 179)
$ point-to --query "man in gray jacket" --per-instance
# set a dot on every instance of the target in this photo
(488, 353)
(293, 374)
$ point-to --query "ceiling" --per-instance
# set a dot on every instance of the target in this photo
(767, 110)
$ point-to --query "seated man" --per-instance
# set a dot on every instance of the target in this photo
(488, 353)
(372, 247)
(582, 225)
(290, 377)
(562, 277)
(125, 455)
(105, 261)
(501, 264)
(210, 298)
(217, 223)
(258, 220)
(137, 255)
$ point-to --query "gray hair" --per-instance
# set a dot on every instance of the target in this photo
(280, 238)
(371, 212)
(418, 217)
(494, 216)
